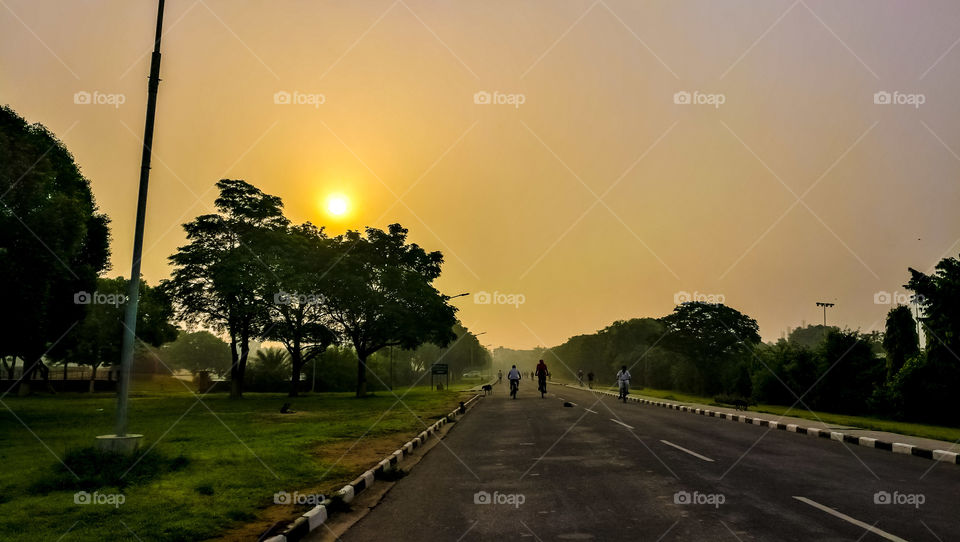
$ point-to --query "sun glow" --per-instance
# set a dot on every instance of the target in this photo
(337, 205)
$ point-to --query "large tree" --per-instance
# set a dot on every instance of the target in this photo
(383, 295)
(53, 241)
(900, 339)
(295, 288)
(219, 276)
(714, 337)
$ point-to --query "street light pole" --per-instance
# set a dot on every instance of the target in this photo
(120, 441)
(825, 306)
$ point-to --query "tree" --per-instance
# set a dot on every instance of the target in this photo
(295, 286)
(811, 336)
(97, 338)
(198, 351)
(849, 372)
(712, 336)
(270, 369)
(53, 241)
(218, 277)
(383, 295)
(900, 340)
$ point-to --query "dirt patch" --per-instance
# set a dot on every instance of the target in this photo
(354, 456)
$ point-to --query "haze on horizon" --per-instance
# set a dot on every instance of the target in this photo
(597, 198)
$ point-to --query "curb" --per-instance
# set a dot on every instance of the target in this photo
(895, 447)
(318, 515)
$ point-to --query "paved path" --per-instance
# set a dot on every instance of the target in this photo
(604, 470)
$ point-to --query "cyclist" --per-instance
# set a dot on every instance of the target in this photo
(623, 382)
(542, 373)
(514, 377)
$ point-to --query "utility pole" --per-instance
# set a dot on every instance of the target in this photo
(120, 441)
(825, 307)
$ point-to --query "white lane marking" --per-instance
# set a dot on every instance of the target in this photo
(594, 411)
(621, 423)
(682, 449)
(849, 519)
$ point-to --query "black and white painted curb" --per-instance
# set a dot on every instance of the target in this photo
(895, 447)
(317, 516)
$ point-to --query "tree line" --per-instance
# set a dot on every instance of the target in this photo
(246, 272)
(716, 351)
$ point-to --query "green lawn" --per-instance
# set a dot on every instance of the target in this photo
(948, 434)
(237, 455)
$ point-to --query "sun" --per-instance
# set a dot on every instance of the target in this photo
(338, 205)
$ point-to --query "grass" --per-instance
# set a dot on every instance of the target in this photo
(210, 466)
(948, 434)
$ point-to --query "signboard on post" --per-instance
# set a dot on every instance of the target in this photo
(439, 369)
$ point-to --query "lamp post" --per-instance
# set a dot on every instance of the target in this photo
(825, 307)
(120, 441)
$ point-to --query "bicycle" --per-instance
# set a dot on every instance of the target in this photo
(624, 390)
(514, 387)
(542, 387)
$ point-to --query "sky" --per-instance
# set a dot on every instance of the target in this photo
(577, 162)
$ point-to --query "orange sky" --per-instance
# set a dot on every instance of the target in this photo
(597, 198)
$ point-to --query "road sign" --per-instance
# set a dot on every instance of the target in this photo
(439, 369)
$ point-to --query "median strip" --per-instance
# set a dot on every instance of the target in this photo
(319, 514)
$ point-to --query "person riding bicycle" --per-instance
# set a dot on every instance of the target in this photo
(514, 377)
(542, 373)
(623, 381)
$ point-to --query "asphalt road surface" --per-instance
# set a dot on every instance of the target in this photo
(531, 469)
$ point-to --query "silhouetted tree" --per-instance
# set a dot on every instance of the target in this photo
(711, 336)
(53, 241)
(218, 278)
(198, 351)
(382, 295)
(298, 260)
(900, 340)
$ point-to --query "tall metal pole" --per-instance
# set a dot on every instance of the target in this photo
(133, 293)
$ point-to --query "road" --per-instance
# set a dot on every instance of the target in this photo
(531, 469)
